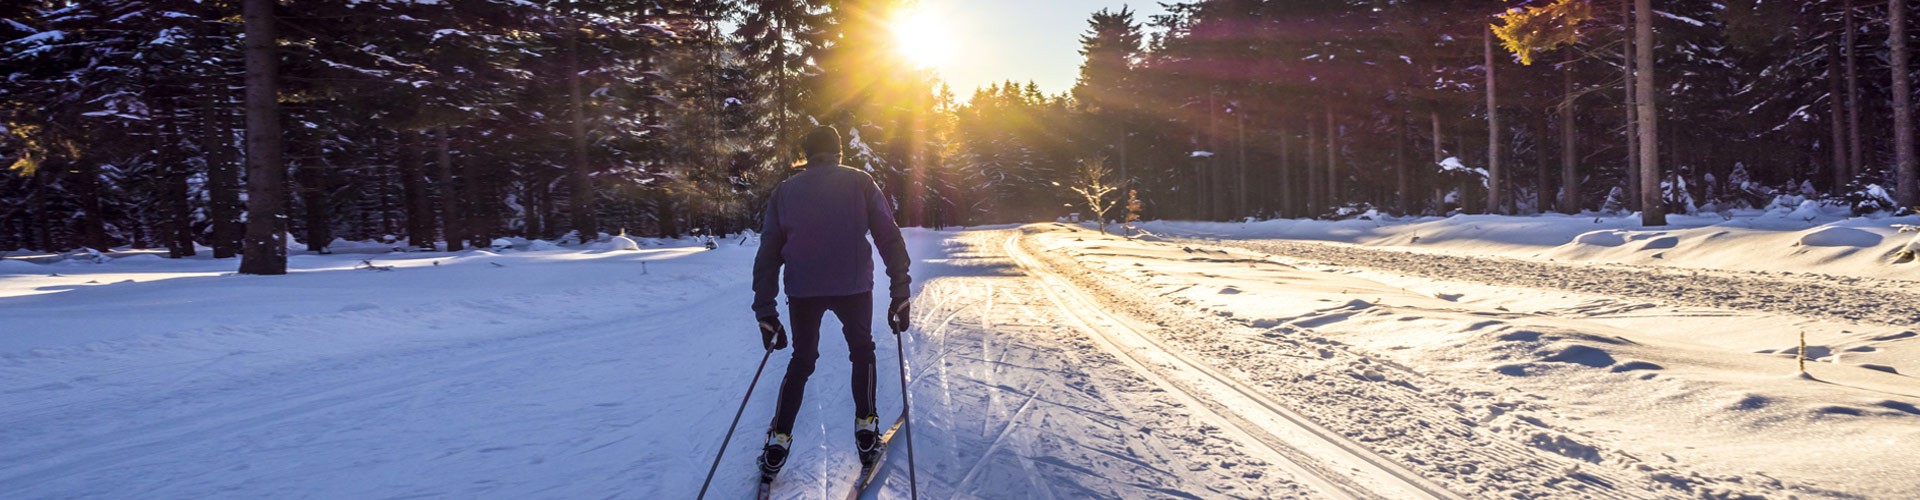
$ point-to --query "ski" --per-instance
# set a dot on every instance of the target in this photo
(766, 487)
(865, 479)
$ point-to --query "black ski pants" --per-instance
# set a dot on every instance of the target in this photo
(856, 317)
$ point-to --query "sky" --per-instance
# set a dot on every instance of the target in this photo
(1021, 40)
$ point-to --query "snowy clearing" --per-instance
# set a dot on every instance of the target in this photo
(1049, 361)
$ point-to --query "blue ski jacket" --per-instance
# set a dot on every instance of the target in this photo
(816, 227)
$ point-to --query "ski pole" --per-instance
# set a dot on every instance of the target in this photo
(736, 423)
(913, 479)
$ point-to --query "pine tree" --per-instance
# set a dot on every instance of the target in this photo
(1111, 47)
(265, 250)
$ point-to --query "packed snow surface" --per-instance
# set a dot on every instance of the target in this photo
(1468, 357)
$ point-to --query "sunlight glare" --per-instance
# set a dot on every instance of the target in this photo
(922, 39)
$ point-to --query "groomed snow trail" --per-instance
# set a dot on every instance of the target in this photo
(1335, 465)
(1013, 400)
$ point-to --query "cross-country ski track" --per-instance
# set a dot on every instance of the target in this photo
(1343, 469)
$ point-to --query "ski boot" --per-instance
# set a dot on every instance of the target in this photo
(774, 456)
(866, 438)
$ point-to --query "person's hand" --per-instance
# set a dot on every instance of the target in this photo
(899, 314)
(772, 334)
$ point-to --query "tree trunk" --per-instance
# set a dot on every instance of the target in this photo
(1439, 155)
(1216, 188)
(1289, 204)
(1495, 177)
(1652, 209)
(1856, 159)
(391, 205)
(1333, 161)
(266, 245)
(93, 223)
(179, 226)
(1439, 143)
(1402, 182)
(37, 213)
(413, 185)
(1569, 152)
(669, 218)
(1543, 195)
(582, 177)
(530, 208)
(1203, 189)
(1907, 187)
(223, 183)
(549, 209)
(479, 193)
(314, 188)
(1837, 111)
(1126, 177)
(452, 224)
(1633, 111)
(1314, 183)
(1240, 164)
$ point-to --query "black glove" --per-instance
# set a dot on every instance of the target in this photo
(772, 333)
(899, 313)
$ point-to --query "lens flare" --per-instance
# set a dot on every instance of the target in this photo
(921, 38)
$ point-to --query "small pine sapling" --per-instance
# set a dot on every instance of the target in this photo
(1802, 357)
(1616, 201)
(1133, 211)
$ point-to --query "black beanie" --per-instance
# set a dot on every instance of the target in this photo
(821, 141)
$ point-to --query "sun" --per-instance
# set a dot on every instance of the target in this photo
(921, 38)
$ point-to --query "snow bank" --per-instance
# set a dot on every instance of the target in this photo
(16, 266)
(1808, 238)
(619, 243)
(1601, 239)
(1841, 237)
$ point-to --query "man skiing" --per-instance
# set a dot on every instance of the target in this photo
(816, 226)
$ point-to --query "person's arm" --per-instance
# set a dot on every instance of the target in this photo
(766, 263)
(886, 238)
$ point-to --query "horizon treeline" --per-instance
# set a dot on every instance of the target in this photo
(431, 123)
(1226, 109)
(424, 123)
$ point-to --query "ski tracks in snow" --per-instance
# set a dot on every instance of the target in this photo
(1283, 329)
(1012, 403)
(1036, 380)
(1384, 415)
(1333, 465)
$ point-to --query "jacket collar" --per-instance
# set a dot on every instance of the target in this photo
(827, 160)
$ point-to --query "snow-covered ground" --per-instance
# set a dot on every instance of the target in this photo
(1050, 361)
(1808, 240)
(1686, 358)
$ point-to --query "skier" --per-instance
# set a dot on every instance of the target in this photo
(816, 226)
